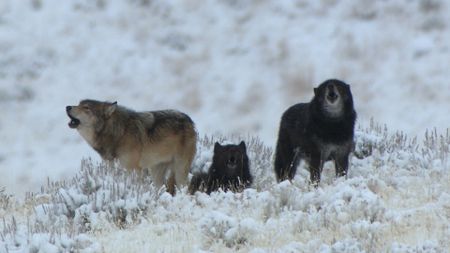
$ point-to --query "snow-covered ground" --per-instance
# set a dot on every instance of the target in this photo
(395, 199)
(234, 66)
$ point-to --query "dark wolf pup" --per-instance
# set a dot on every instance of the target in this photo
(161, 141)
(229, 170)
(317, 132)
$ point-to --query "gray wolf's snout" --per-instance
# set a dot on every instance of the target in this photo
(74, 122)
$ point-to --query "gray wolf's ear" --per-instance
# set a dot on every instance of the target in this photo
(242, 145)
(110, 109)
(217, 147)
(316, 91)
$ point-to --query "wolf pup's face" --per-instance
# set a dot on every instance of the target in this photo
(333, 95)
(230, 157)
(90, 114)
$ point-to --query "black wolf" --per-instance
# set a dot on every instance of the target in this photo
(229, 170)
(316, 132)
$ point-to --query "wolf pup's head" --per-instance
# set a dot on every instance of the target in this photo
(230, 158)
(334, 98)
(90, 114)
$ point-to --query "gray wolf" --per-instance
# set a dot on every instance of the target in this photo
(318, 131)
(162, 142)
(229, 170)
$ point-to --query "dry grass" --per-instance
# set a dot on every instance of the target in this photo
(254, 98)
(21, 94)
(364, 10)
(192, 97)
(297, 83)
(428, 6)
(433, 23)
(179, 66)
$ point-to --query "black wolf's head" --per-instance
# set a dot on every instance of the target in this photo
(333, 99)
(90, 114)
(230, 161)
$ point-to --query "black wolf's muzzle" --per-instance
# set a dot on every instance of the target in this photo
(232, 162)
(332, 94)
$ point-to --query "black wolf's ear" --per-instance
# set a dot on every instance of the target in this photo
(217, 147)
(242, 145)
(111, 108)
(316, 91)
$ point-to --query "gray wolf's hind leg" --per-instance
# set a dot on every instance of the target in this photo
(158, 174)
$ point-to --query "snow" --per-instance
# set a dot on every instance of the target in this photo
(215, 61)
(234, 67)
(388, 203)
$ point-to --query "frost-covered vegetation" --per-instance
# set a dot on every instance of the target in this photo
(233, 65)
(396, 199)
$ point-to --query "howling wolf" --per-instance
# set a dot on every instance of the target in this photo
(229, 170)
(317, 132)
(164, 142)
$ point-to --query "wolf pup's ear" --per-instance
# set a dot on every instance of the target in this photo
(242, 145)
(110, 109)
(217, 147)
(316, 91)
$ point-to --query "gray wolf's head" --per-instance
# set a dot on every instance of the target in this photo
(232, 159)
(90, 114)
(335, 98)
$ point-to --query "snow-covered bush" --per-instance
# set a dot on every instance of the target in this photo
(99, 193)
(396, 188)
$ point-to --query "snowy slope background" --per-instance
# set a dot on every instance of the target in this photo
(234, 66)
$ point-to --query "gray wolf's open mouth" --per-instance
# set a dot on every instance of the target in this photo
(74, 122)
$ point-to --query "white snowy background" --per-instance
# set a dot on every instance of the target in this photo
(234, 66)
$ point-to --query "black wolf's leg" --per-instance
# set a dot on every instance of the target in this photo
(294, 164)
(284, 155)
(315, 169)
(286, 163)
(213, 184)
(341, 165)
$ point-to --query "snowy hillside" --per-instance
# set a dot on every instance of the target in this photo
(396, 199)
(234, 66)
